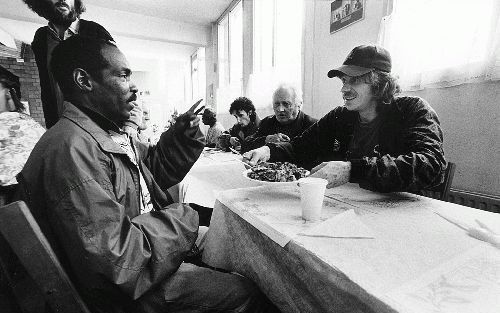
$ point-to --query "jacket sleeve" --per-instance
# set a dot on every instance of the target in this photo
(258, 139)
(133, 254)
(307, 149)
(421, 165)
(173, 156)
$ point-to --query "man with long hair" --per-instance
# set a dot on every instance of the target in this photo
(247, 121)
(64, 21)
(379, 139)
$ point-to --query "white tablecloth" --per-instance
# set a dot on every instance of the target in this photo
(214, 171)
(416, 262)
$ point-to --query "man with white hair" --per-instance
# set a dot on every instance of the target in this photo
(287, 122)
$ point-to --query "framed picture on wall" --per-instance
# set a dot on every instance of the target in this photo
(345, 12)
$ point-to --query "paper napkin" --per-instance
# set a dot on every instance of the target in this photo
(344, 225)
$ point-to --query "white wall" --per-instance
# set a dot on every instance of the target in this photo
(469, 113)
(158, 49)
(324, 51)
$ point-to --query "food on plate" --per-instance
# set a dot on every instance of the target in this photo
(277, 172)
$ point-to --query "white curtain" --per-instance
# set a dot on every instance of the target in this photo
(442, 43)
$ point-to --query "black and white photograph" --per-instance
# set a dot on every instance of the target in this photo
(345, 12)
(231, 156)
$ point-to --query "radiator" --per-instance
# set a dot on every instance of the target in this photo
(475, 200)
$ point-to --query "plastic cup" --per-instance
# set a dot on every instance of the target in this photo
(312, 192)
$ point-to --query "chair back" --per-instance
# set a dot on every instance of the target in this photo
(441, 191)
(21, 232)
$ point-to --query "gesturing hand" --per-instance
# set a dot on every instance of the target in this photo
(189, 119)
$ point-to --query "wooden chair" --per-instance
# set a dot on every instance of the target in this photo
(441, 191)
(21, 232)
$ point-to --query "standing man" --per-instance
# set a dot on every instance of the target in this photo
(383, 141)
(98, 196)
(287, 122)
(64, 22)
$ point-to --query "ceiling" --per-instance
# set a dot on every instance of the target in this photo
(199, 12)
(21, 23)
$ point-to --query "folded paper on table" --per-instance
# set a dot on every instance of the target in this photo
(344, 225)
(483, 228)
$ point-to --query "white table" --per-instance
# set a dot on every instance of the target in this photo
(214, 171)
(416, 262)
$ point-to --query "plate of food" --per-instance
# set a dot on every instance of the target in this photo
(277, 173)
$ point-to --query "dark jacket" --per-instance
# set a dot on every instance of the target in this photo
(271, 126)
(39, 47)
(243, 132)
(84, 192)
(409, 155)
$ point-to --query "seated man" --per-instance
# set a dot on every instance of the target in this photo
(97, 194)
(287, 122)
(247, 121)
(382, 141)
(216, 129)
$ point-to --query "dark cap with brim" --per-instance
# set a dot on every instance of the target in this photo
(350, 70)
(362, 60)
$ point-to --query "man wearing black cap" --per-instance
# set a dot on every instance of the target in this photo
(378, 139)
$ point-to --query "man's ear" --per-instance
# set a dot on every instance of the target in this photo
(82, 79)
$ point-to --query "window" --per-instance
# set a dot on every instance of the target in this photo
(230, 47)
(230, 56)
(277, 48)
(198, 80)
(439, 43)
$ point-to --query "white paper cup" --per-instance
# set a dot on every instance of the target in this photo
(312, 192)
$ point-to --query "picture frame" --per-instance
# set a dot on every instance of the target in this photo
(345, 12)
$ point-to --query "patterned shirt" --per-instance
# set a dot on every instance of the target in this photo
(123, 140)
(18, 135)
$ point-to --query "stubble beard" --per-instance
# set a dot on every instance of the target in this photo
(65, 19)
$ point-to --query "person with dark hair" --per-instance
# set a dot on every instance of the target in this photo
(216, 129)
(286, 123)
(247, 121)
(64, 22)
(383, 141)
(18, 131)
(102, 194)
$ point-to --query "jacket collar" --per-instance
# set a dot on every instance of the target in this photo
(94, 124)
(72, 30)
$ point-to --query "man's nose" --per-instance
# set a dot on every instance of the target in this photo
(133, 87)
(280, 108)
(345, 87)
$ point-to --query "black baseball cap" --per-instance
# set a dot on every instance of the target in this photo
(362, 60)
